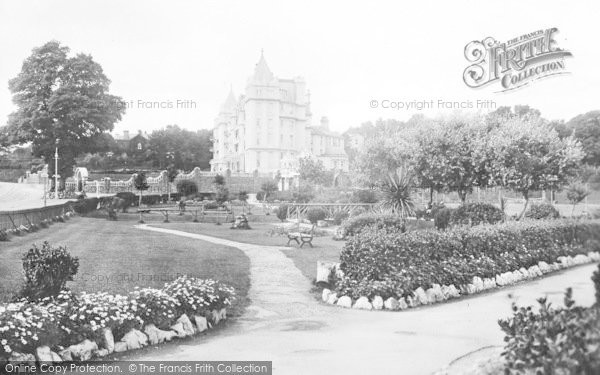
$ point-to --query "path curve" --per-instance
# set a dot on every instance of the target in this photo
(286, 325)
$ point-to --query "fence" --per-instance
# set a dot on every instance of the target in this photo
(16, 219)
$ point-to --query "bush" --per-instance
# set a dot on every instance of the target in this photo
(315, 214)
(365, 196)
(475, 214)
(186, 187)
(422, 258)
(357, 224)
(553, 341)
(85, 205)
(441, 218)
(282, 212)
(339, 217)
(47, 271)
(542, 211)
(3, 235)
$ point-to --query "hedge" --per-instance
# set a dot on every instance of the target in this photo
(389, 222)
(395, 264)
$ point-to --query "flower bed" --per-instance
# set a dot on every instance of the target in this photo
(429, 266)
(82, 326)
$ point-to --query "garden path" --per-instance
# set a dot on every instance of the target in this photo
(287, 325)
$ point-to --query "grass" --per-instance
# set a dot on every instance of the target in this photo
(305, 259)
(115, 257)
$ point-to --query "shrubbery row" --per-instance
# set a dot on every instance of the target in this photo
(564, 340)
(389, 264)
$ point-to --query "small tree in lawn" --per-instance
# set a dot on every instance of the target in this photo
(576, 193)
(141, 183)
(397, 194)
(528, 155)
(268, 188)
(243, 197)
(171, 175)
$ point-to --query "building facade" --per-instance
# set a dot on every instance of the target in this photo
(269, 128)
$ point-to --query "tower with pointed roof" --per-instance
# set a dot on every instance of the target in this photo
(268, 128)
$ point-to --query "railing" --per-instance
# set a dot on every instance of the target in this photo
(300, 209)
(16, 219)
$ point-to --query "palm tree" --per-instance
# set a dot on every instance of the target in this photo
(396, 191)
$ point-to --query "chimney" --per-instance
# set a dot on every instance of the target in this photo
(325, 122)
(126, 135)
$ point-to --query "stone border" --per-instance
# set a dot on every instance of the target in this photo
(443, 293)
(134, 339)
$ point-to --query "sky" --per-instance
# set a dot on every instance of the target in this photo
(350, 53)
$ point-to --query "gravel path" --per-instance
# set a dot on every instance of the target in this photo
(286, 325)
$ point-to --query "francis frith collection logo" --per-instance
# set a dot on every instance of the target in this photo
(515, 63)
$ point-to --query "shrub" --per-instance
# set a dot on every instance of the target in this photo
(388, 222)
(441, 218)
(282, 212)
(85, 205)
(424, 257)
(542, 211)
(130, 199)
(339, 217)
(3, 235)
(260, 196)
(365, 196)
(222, 194)
(315, 214)
(186, 187)
(47, 270)
(553, 340)
(475, 214)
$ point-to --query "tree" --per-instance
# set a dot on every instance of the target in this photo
(61, 102)
(141, 183)
(528, 155)
(183, 148)
(451, 155)
(219, 180)
(267, 188)
(313, 171)
(243, 197)
(576, 193)
(586, 129)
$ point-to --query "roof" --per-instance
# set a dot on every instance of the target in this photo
(262, 73)
(230, 103)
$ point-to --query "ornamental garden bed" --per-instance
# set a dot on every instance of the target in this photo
(81, 327)
(381, 268)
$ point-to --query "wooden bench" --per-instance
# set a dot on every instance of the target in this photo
(304, 235)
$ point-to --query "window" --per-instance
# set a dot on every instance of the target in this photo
(139, 146)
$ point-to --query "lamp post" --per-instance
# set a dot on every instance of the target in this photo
(45, 177)
(56, 175)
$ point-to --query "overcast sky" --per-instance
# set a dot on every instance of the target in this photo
(348, 53)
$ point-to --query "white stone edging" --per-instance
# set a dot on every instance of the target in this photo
(442, 293)
(134, 339)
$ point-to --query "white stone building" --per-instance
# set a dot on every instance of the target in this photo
(268, 128)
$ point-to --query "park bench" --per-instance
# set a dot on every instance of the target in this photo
(304, 235)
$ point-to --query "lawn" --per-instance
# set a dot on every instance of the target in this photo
(305, 259)
(115, 257)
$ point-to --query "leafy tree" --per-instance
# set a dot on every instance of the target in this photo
(451, 155)
(141, 183)
(183, 148)
(222, 194)
(576, 193)
(528, 155)
(61, 101)
(586, 129)
(313, 171)
(219, 180)
(267, 188)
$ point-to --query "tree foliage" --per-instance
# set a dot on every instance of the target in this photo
(61, 101)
